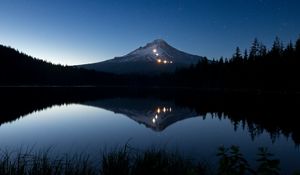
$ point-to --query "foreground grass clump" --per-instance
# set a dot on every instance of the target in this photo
(41, 163)
(125, 161)
(122, 161)
(149, 162)
(232, 162)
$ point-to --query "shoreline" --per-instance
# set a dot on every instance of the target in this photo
(177, 88)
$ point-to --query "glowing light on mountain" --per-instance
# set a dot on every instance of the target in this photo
(156, 116)
(165, 61)
(153, 120)
(171, 62)
(159, 60)
(158, 110)
(154, 50)
(156, 54)
(164, 109)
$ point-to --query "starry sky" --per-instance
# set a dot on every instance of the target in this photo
(73, 32)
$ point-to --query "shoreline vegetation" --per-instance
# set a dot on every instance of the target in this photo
(128, 161)
(180, 89)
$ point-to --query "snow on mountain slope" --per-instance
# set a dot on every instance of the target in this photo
(156, 57)
(149, 53)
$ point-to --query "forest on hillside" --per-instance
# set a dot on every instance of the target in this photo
(257, 68)
(17, 68)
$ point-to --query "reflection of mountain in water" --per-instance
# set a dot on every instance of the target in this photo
(153, 113)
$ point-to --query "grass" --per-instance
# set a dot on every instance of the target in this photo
(122, 161)
(126, 161)
(27, 163)
(149, 162)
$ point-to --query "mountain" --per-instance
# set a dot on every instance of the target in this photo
(156, 57)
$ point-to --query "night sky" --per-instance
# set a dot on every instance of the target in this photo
(84, 31)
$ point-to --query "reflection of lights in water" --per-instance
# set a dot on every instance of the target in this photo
(154, 50)
(163, 109)
(158, 111)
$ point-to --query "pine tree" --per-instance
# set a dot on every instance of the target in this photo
(246, 55)
(226, 61)
(221, 61)
(262, 50)
(237, 57)
(289, 50)
(297, 48)
(277, 48)
(254, 49)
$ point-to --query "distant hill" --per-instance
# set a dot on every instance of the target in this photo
(17, 68)
(154, 58)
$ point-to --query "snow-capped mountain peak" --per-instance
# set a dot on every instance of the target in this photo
(152, 52)
(155, 57)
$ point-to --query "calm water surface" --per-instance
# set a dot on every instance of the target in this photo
(92, 126)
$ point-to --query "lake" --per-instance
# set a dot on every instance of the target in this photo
(193, 123)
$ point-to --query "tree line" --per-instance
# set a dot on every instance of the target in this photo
(257, 68)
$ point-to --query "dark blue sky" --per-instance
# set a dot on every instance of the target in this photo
(83, 31)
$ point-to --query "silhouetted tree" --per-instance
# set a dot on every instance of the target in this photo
(226, 61)
(254, 50)
(221, 61)
(297, 48)
(237, 57)
(246, 55)
(262, 50)
(289, 52)
(277, 48)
